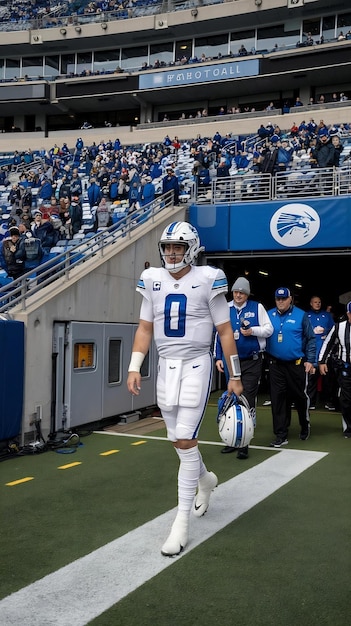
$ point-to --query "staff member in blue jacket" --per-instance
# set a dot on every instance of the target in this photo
(251, 325)
(321, 322)
(291, 351)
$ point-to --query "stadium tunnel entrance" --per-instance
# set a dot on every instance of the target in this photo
(323, 273)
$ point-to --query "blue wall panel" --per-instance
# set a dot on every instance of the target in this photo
(11, 378)
(321, 223)
(212, 223)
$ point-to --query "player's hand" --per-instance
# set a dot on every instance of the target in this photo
(323, 369)
(134, 383)
(235, 386)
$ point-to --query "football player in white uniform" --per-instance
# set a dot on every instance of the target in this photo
(181, 304)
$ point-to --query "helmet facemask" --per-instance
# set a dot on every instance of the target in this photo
(184, 234)
(175, 267)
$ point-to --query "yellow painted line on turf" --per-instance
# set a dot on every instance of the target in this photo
(138, 443)
(69, 465)
(20, 481)
(108, 452)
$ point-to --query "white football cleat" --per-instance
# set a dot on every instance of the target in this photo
(207, 484)
(178, 537)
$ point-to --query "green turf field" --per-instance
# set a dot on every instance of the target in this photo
(285, 561)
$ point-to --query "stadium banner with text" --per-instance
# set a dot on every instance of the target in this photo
(306, 223)
(199, 74)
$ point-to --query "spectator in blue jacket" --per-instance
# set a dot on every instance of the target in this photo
(94, 193)
(156, 169)
(147, 191)
(134, 196)
(169, 183)
(113, 188)
(46, 191)
(76, 184)
(284, 155)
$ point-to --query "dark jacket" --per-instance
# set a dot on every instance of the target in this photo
(30, 251)
(46, 233)
(10, 261)
(76, 215)
(171, 182)
(325, 154)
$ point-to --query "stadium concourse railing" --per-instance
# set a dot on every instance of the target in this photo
(300, 182)
(76, 252)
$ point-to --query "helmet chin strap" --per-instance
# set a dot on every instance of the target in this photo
(173, 269)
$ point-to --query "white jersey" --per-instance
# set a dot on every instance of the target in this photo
(183, 324)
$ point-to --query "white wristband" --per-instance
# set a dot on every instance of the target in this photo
(235, 363)
(136, 361)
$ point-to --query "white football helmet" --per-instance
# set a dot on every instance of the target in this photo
(235, 423)
(185, 233)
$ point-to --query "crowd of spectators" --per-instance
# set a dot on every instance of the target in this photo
(48, 196)
(47, 14)
(46, 202)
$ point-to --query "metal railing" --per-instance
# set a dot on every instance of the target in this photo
(242, 188)
(76, 253)
(303, 182)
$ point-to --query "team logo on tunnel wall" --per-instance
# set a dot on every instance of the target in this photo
(294, 225)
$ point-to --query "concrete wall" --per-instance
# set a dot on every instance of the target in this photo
(99, 290)
(129, 136)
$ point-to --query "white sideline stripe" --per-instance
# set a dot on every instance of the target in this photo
(208, 443)
(82, 590)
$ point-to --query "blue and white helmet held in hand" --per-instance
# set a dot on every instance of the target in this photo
(183, 233)
(235, 423)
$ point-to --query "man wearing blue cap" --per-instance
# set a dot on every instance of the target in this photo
(338, 342)
(291, 351)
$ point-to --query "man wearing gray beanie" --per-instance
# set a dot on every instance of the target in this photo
(242, 284)
(251, 326)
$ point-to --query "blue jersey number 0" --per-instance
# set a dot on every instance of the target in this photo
(175, 314)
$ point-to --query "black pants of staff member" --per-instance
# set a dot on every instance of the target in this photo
(251, 370)
(288, 383)
(328, 383)
(344, 378)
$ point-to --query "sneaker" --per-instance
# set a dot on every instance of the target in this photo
(243, 453)
(304, 434)
(178, 537)
(312, 408)
(330, 406)
(279, 442)
(347, 435)
(227, 450)
(267, 403)
(207, 484)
